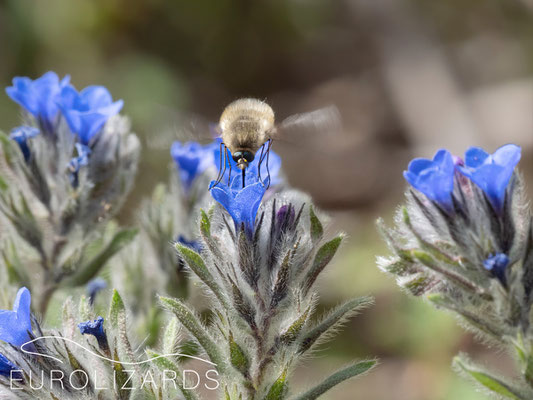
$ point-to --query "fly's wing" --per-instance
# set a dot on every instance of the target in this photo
(309, 127)
(183, 127)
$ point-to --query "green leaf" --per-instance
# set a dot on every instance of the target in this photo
(197, 265)
(279, 388)
(322, 258)
(490, 382)
(316, 226)
(343, 374)
(171, 336)
(84, 309)
(205, 224)
(90, 269)
(335, 317)
(451, 275)
(238, 357)
(292, 332)
(194, 326)
(117, 307)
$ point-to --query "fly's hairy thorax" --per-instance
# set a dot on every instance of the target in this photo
(246, 124)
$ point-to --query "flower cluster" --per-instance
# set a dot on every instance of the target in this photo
(464, 241)
(491, 173)
(65, 172)
(47, 97)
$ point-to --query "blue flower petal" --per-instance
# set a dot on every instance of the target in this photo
(274, 166)
(15, 325)
(491, 173)
(241, 203)
(497, 265)
(419, 164)
(7, 366)
(508, 154)
(433, 178)
(39, 97)
(96, 329)
(94, 286)
(21, 135)
(192, 244)
(87, 112)
(192, 160)
(475, 156)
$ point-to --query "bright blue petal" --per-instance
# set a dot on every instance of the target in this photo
(508, 155)
(192, 159)
(475, 156)
(21, 135)
(248, 200)
(15, 325)
(274, 165)
(94, 97)
(39, 97)
(22, 307)
(491, 173)
(87, 112)
(7, 366)
(419, 164)
(241, 203)
(497, 265)
(433, 178)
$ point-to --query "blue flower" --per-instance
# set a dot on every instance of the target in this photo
(192, 159)
(77, 162)
(82, 159)
(7, 366)
(15, 326)
(192, 244)
(86, 112)
(273, 170)
(96, 329)
(39, 96)
(434, 178)
(492, 172)
(94, 286)
(241, 203)
(497, 265)
(21, 135)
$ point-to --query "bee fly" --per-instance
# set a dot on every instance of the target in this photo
(247, 125)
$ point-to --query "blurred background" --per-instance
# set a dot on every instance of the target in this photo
(408, 76)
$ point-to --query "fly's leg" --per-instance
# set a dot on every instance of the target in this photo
(222, 166)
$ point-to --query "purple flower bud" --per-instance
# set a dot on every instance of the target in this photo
(285, 217)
